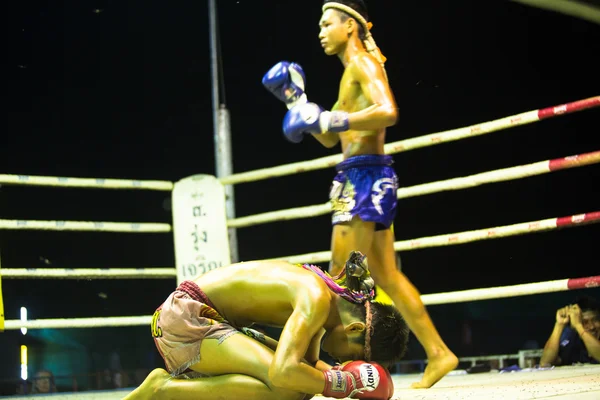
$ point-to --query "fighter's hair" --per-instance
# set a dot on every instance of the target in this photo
(357, 5)
(386, 336)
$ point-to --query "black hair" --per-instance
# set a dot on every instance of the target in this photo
(587, 303)
(389, 339)
(357, 5)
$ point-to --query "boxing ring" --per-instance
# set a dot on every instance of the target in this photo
(563, 382)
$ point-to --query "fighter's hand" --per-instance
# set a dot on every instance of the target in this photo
(359, 380)
(287, 82)
(311, 118)
(575, 316)
(384, 385)
(339, 367)
(562, 316)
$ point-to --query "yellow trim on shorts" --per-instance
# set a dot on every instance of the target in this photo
(154, 328)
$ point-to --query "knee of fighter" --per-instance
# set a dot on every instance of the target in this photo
(159, 392)
(157, 384)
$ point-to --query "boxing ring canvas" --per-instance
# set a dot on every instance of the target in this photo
(576, 383)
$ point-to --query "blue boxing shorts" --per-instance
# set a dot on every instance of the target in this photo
(365, 186)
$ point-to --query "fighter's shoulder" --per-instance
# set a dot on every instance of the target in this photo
(362, 62)
(309, 278)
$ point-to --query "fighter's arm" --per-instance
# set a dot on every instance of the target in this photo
(311, 118)
(287, 369)
(314, 349)
(371, 77)
(328, 139)
(312, 354)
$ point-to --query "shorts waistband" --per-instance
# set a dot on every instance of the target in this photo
(364, 160)
(194, 291)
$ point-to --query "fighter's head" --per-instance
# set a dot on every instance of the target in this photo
(337, 25)
(376, 332)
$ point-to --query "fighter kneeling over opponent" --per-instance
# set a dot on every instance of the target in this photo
(196, 328)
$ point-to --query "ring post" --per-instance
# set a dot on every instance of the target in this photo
(199, 226)
(221, 127)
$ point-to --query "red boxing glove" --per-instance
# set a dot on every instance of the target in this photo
(359, 380)
(384, 390)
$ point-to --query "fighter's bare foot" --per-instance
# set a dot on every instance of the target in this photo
(151, 385)
(436, 369)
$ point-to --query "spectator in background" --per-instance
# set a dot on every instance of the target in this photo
(43, 382)
(576, 335)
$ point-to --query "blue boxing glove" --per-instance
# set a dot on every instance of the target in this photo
(286, 81)
(311, 118)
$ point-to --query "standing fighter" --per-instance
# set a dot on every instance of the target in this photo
(363, 194)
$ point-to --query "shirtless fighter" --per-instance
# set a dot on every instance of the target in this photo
(363, 193)
(196, 332)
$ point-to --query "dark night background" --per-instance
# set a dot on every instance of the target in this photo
(123, 90)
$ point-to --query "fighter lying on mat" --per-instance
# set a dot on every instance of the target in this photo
(196, 330)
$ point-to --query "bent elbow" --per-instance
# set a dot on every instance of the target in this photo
(391, 116)
(330, 144)
(387, 115)
(328, 140)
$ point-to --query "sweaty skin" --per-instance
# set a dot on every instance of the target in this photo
(273, 293)
(363, 92)
(366, 95)
(282, 295)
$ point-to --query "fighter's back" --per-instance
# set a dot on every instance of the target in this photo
(261, 291)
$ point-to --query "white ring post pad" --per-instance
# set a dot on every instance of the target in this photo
(199, 226)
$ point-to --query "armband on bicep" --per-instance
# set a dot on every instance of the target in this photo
(254, 334)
